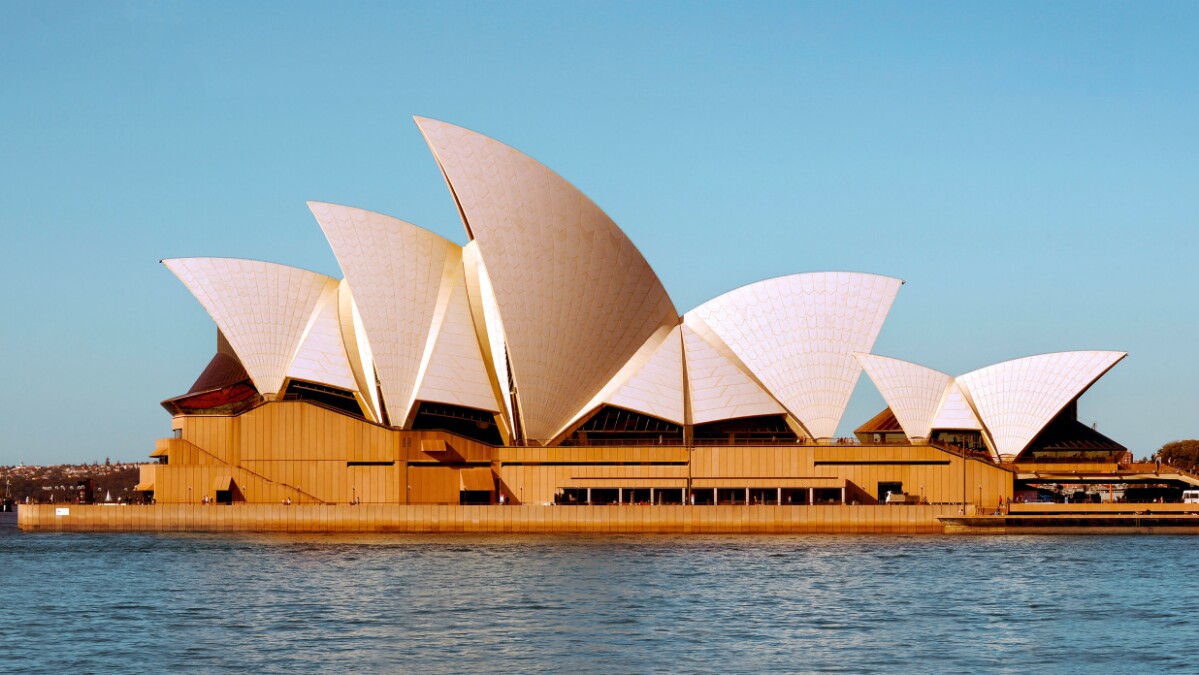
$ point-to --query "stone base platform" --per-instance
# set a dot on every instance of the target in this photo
(835, 519)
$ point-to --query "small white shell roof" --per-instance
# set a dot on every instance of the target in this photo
(656, 386)
(262, 308)
(955, 412)
(455, 372)
(913, 392)
(576, 298)
(1017, 398)
(651, 382)
(322, 353)
(798, 334)
(403, 280)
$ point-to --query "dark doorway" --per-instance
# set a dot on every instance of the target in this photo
(884, 488)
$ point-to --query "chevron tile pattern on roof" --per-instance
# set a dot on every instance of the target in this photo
(719, 386)
(396, 272)
(1017, 398)
(262, 308)
(955, 412)
(455, 373)
(913, 392)
(798, 335)
(322, 354)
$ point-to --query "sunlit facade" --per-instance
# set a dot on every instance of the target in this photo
(544, 362)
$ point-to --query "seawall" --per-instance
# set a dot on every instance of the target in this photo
(757, 519)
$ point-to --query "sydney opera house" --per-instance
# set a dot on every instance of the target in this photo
(543, 362)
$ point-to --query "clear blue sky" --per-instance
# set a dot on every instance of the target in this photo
(1031, 170)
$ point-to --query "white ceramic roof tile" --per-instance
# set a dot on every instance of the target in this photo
(322, 354)
(913, 392)
(455, 372)
(1017, 398)
(656, 387)
(576, 298)
(261, 308)
(652, 384)
(719, 387)
(396, 271)
(955, 412)
(797, 334)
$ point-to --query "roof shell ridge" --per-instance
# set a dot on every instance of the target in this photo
(318, 203)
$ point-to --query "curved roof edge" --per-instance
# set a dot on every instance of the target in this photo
(1016, 399)
(400, 276)
(913, 392)
(592, 293)
(263, 309)
(902, 282)
(797, 334)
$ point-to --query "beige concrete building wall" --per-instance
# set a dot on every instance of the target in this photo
(296, 450)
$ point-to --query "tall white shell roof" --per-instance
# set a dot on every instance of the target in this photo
(263, 309)
(408, 285)
(798, 334)
(576, 298)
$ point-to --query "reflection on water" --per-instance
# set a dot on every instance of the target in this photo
(441, 603)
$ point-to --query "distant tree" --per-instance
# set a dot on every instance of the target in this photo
(1182, 454)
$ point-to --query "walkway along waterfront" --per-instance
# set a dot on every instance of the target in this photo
(622, 519)
(488, 518)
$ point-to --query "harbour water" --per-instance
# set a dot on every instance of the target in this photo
(465, 603)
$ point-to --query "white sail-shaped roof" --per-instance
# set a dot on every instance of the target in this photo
(322, 354)
(261, 308)
(1017, 398)
(455, 372)
(398, 273)
(656, 386)
(576, 298)
(718, 384)
(651, 382)
(912, 392)
(797, 334)
(955, 412)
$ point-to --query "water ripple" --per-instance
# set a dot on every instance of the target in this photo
(445, 603)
